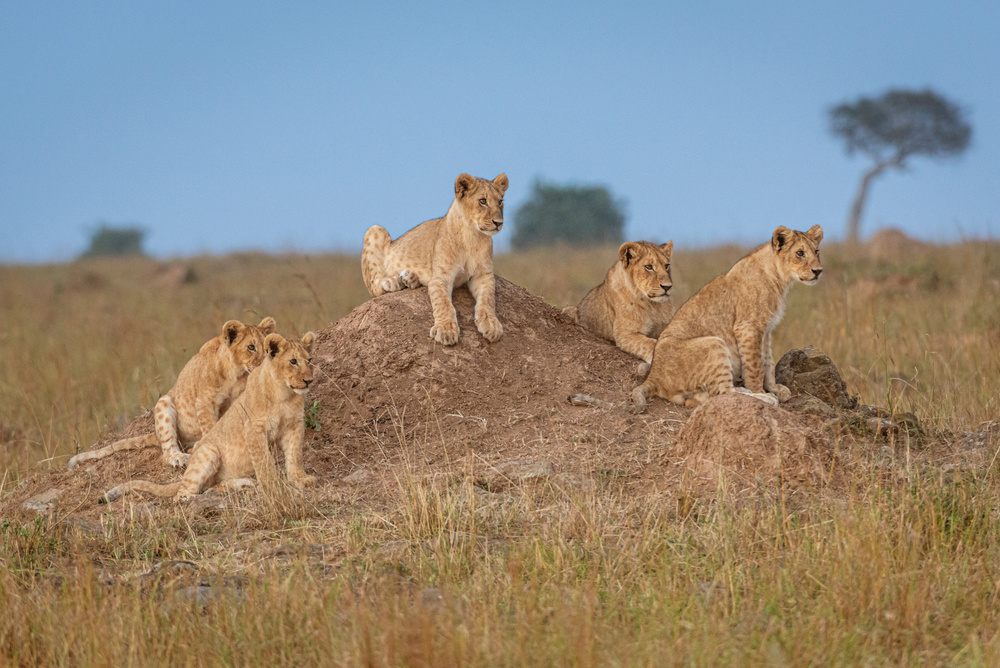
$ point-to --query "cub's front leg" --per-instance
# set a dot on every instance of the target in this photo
(445, 329)
(772, 386)
(749, 339)
(291, 444)
(483, 289)
(258, 449)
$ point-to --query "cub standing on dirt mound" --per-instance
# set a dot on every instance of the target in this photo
(270, 411)
(633, 304)
(724, 331)
(206, 386)
(444, 253)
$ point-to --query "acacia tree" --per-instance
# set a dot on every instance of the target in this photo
(892, 128)
(109, 240)
(578, 215)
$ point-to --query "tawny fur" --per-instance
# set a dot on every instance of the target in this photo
(207, 385)
(633, 304)
(444, 253)
(723, 333)
(269, 413)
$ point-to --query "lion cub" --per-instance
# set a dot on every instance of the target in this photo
(633, 304)
(270, 411)
(205, 388)
(444, 253)
(723, 333)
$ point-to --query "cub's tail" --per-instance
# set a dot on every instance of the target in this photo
(373, 251)
(134, 443)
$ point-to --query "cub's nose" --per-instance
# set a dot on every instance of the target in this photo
(307, 381)
(666, 288)
(817, 272)
(498, 224)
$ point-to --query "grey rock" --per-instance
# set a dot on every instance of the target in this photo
(810, 371)
(44, 503)
(358, 477)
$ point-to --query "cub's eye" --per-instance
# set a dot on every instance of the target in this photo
(482, 200)
(501, 204)
(667, 267)
(293, 362)
(817, 253)
(649, 267)
(251, 348)
(800, 253)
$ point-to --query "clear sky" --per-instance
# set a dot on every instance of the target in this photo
(276, 126)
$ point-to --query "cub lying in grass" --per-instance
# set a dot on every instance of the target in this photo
(205, 388)
(444, 253)
(270, 411)
(633, 304)
(723, 333)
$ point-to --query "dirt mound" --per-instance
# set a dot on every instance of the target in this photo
(744, 444)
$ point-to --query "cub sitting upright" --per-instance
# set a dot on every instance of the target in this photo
(270, 411)
(205, 388)
(633, 304)
(443, 253)
(723, 333)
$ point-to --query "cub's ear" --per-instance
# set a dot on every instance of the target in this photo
(815, 233)
(273, 344)
(501, 182)
(232, 330)
(267, 325)
(463, 184)
(307, 340)
(782, 235)
(668, 248)
(628, 252)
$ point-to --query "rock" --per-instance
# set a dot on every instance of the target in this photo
(358, 477)
(806, 403)
(740, 440)
(810, 371)
(44, 503)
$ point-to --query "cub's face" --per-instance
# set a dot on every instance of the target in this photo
(798, 253)
(648, 266)
(291, 360)
(482, 201)
(246, 342)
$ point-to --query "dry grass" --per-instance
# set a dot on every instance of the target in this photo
(902, 570)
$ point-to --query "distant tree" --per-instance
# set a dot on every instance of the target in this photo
(579, 215)
(107, 241)
(891, 128)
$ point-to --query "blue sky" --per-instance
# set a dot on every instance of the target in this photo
(223, 126)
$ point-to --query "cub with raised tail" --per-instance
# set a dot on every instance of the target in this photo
(444, 253)
(723, 333)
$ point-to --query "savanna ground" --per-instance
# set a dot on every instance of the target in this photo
(900, 566)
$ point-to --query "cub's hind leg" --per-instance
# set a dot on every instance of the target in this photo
(377, 280)
(165, 424)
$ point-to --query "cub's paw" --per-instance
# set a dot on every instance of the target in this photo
(642, 370)
(176, 458)
(391, 284)
(304, 481)
(780, 391)
(445, 333)
(409, 279)
(490, 328)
